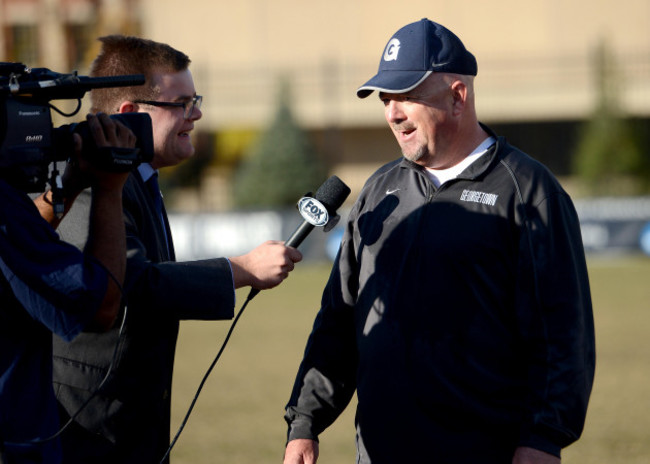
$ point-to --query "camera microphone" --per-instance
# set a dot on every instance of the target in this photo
(317, 211)
(55, 86)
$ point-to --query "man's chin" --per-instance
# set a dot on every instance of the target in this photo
(415, 157)
(186, 153)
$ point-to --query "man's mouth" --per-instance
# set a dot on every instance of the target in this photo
(405, 133)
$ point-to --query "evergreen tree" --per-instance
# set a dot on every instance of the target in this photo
(609, 159)
(281, 166)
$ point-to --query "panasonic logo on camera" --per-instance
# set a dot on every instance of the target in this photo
(313, 211)
(29, 113)
(34, 138)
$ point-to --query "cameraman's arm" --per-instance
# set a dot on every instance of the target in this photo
(106, 235)
(107, 243)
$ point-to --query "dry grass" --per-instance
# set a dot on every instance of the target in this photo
(238, 416)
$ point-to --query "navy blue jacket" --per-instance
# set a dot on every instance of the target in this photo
(460, 315)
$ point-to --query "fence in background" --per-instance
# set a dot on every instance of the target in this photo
(609, 225)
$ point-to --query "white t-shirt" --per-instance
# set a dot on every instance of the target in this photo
(440, 176)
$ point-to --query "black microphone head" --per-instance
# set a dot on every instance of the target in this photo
(332, 194)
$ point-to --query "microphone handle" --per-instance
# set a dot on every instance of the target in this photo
(294, 241)
(299, 234)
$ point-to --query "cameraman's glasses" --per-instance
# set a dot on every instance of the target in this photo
(188, 106)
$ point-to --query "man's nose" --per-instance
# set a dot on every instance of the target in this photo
(394, 111)
(196, 114)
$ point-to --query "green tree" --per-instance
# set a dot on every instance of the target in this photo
(609, 159)
(281, 165)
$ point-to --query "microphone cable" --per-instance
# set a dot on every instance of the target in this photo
(250, 296)
(315, 212)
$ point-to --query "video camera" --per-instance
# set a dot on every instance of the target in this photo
(28, 141)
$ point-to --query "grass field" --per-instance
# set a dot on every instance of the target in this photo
(238, 416)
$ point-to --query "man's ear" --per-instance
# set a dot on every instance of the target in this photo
(459, 92)
(128, 107)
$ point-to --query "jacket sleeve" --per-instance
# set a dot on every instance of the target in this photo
(199, 290)
(556, 322)
(326, 378)
(192, 290)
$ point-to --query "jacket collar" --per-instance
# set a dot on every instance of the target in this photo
(477, 168)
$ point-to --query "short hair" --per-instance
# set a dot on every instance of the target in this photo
(125, 55)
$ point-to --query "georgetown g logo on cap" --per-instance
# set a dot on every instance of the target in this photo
(392, 49)
(413, 53)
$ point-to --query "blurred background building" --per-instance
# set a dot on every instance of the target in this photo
(547, 70)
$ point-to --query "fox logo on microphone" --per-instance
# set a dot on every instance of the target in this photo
(313, 211)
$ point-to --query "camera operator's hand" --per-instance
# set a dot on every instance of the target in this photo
(81, 173)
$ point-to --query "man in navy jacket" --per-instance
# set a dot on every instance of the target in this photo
(458, 307)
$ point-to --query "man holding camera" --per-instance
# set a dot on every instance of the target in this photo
(48, 286)
(129, 420)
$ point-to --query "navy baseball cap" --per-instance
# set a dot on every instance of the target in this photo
(413, 53)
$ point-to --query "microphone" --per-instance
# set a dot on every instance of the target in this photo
(317, 211)
(44, 84)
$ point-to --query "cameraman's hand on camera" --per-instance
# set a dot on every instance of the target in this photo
(81, 173)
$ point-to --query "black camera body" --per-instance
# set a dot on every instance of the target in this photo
(110, 160)
(28, 141)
